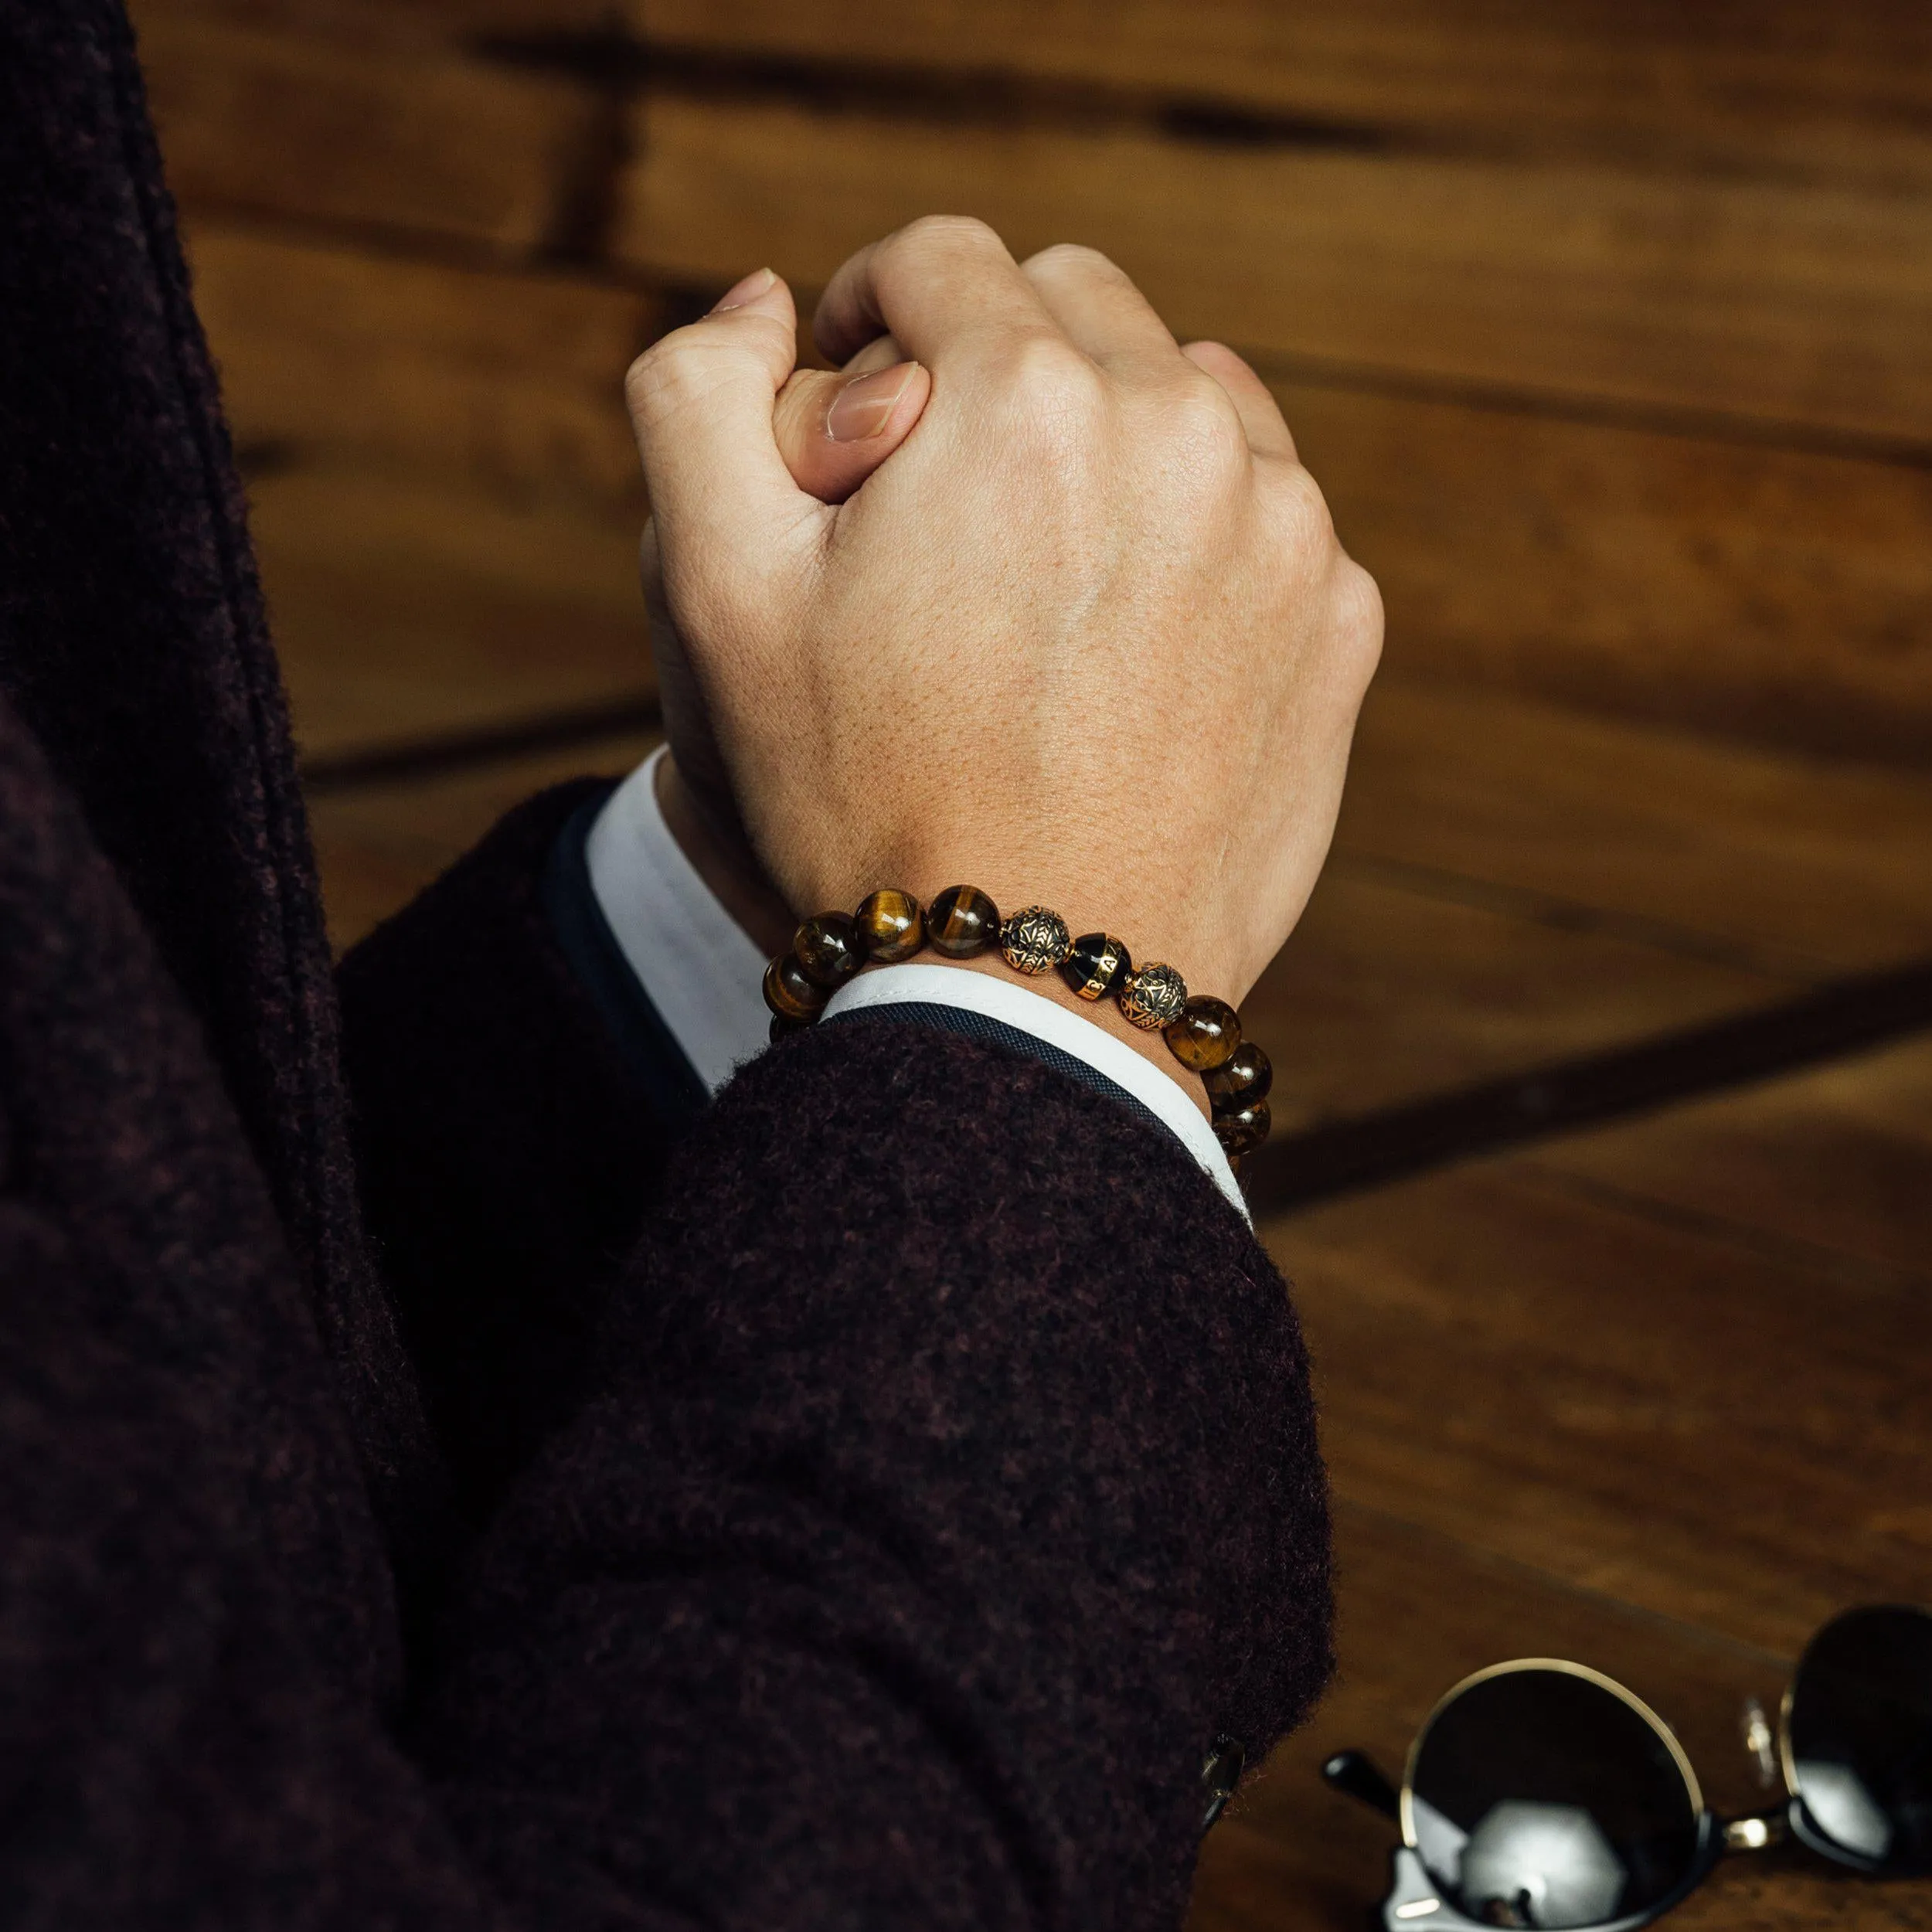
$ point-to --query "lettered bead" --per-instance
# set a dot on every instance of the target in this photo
(1152, 996)
(1097, 965)
(961, 922)
(789, 993)
(1034, 940)
(827, 951)
(1244, 1130)
(1243, 1076)
(890, 927)
(1206, 1035)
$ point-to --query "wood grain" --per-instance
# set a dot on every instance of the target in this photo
(1780, 85)
(406, 141)
(1802, 305)
(401, 610)
(506, 380)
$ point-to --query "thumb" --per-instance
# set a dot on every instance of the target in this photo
(835, 426)
(701, 403)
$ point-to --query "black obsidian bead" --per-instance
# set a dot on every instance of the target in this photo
(784, 1028)
(827, 951)
(1206, 1035)
(1244, 1130)
(890, 927)
(1243, 1076)
(961, 922)
(1097, 965)
(789, 993)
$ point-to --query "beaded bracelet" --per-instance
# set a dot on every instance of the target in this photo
(1204, 1035)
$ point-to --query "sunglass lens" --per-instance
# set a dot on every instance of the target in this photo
(1862, 1739)
(1541, 1798)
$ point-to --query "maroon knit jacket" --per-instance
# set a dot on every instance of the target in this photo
(428, 1496)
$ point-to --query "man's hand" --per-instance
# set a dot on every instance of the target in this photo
(1088, 639)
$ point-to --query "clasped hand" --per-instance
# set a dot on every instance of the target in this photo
(1056, 610)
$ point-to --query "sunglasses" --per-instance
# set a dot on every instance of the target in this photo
(1540, 1793)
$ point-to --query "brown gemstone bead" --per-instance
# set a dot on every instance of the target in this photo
(1097, 965)
(1244, 1077)
(789, 993)
(827, 951)
(1034, 940)
(1206, 1035)
(890, 927)
(1152, 996)
(961, 922)
(1243, 1130)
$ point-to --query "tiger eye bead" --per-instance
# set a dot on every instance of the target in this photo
(961, 922)
(789, 993)
(1206, 1035)
(1097, 965)
(1245, 1075)
(1034, 940)
(1243, 1130)
(1152, 996)
(827, 951)
(890, 927)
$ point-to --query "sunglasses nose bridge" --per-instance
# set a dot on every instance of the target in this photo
(1756, 1831)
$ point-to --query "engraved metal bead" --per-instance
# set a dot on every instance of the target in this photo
(890, 926)
(1245, 1075)
(1152, 996)
(962, 922)
(789, 993)
(1206, 1035)
(1035, 940)
(827, 951)
(1244, 1130)
(1097, 965)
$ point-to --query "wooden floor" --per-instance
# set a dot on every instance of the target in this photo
(1604, 329)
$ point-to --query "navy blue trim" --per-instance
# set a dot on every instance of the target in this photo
(668, 1082)
(971, 1025)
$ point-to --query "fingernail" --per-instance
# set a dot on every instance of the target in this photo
(748, 290)
(865, 406)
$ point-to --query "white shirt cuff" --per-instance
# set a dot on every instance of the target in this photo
(1019, 1006)
(705, 976)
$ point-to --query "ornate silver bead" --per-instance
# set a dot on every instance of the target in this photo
(1152, 996)
(1034, 940)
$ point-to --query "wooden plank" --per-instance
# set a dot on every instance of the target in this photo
(510, 380)
(1416, 1612)
(1779, 596)
(401, 610)
(418, 140)
(1659, 1410)
(389, 23)
(379, 848)
(1799, 866)
(1837, 1161)
(1780, 84)
(1804, 306)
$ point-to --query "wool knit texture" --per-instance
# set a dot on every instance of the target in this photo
(861, 1512)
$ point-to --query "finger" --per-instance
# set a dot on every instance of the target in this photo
(1261, 417)
(1097, 305)
(834, 429)
(936, 285)
(881, 352)
(701, 403)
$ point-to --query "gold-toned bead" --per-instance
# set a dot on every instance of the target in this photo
(1243, 1130)
(962, 922)
(789, 993)
(1035, 940)
(827, 951)
(1206, 1035)
(1245, 1075)
(891, 927)
(1152, 996)
(1097, 965)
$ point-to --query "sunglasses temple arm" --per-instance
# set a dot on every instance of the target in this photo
(1354, 1774)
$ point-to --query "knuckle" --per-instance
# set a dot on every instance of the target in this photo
(1076, 257)
(929, 234)
(1304, 510)
(1045, 371)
